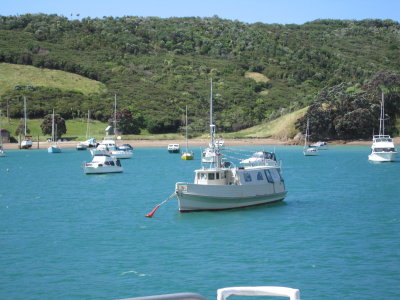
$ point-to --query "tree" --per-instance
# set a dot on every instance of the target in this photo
(127, 123)
(59, 125)
(21, 128)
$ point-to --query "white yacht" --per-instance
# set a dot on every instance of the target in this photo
(260, 158)
(90, 142)
(173, 148)
(321, 145)
(27, 142)
(382, 149)
(309, 150)
(219, 185)
(54, 148)
(103, 163)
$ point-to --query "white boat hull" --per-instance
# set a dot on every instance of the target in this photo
(194, 197)
(382, 156)
(102, 169)
(122, 154)
(27, 144)
(54, 149)
(310, 153)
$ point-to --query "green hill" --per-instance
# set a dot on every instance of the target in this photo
(158, 66)
(12, 75)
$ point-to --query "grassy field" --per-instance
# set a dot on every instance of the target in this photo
(12, 75)
(280, 128)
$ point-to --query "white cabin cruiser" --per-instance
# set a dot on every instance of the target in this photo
(103, 163)
(260, 158)
(382, 149)
(219, 185)
(173, 148)
(321, 145)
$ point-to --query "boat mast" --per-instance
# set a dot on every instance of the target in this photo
(306, 136)
(88, 125)
(52, 127)
(186, 131)
(115, 116)
(24, 116)
(382, 117)
(212, 126)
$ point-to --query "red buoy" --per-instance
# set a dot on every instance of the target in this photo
(150, 215)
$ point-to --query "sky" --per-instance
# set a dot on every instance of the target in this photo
(248, 11)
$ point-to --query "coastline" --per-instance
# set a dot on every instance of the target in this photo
(197, 143)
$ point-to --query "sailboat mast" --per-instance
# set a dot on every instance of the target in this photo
(52, 127)
(186, 131)
(382, 118)
(88, 125)
(212, 126)
(115, 115)
(24, 116)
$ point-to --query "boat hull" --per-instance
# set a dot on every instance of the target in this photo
(174, 151)
(382, 156)
(102, 170)
(191, 197)
(187, 156)
(53, 150)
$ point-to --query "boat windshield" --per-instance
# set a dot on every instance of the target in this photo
(384, 150)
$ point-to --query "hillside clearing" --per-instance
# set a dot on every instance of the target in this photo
(12, 75)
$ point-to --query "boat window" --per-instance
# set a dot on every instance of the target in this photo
(202, 176)
(247, 176)
(211, 176)
(259, 176)
(217, 175)
(112, 163)
(275, 175)
(269, 176)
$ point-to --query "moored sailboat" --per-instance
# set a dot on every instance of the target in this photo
(27, 142)
(382, 149)
(309, 150)
(187, 155)
(54, 148)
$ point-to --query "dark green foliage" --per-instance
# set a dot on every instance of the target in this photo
(160, 65)
(347, 112)
(59, 125)
(21, 129)
(127, 123)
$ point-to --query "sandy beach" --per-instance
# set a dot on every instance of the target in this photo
(197, 143)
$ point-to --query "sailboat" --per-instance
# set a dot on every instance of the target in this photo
(382, 149)
(54, 148)
(108, 145)
(89, 142)
(27, 142)
(187, 155)
(309, 150)
(2, 152)
(208, 154)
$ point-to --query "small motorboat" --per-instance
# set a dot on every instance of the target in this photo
(103, 163)
(173, 148)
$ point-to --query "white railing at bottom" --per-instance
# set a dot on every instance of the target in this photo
(222, 294)
(293, 294)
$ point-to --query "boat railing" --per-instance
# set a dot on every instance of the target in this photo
(181, 187)
(177, 296)
(222, 294)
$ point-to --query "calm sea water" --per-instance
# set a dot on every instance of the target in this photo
(67, 235)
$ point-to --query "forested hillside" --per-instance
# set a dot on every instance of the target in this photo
(157, 66)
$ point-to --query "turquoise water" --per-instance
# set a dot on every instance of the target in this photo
(67, 235)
